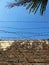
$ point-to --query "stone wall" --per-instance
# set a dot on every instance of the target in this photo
(25, 52)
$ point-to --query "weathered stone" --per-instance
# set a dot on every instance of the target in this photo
(26, 52)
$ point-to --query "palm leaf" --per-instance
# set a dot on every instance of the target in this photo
(32, 5)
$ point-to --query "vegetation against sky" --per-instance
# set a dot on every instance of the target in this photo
(32, 5)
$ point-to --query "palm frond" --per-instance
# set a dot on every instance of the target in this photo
(32, 5)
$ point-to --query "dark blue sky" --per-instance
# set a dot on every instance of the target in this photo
(22, 25)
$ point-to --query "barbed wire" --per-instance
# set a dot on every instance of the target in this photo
(23, 32)
(23, 37)
(27, 21)
(28, 28)
(17, 28)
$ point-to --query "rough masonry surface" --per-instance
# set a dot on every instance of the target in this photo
(24, 52)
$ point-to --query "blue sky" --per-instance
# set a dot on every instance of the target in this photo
(22, 25)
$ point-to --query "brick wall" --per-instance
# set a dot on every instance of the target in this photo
(26, 52)
(24, 64)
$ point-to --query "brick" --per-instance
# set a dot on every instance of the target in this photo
(9, 63)
(2, 63)
(18, 64)
(20, 54)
